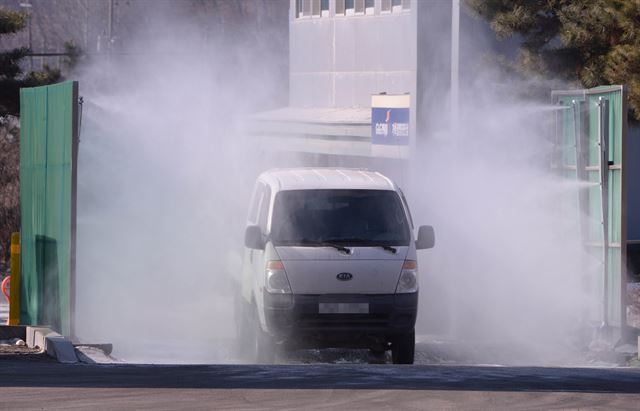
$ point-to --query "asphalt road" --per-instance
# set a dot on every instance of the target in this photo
(50, 385)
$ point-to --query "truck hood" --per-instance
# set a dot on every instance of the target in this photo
(314, 270)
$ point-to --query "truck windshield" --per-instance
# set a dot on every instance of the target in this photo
(344, 217)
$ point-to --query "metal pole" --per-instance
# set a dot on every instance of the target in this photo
(455, 62)
(30, 7)
(603, 143)
(75, 141)
(110, 25)
(85, 31)
(30, 43)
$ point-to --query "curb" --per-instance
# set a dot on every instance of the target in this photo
(54, 344)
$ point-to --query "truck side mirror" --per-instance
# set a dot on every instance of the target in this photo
(253, 238)
(426, 237)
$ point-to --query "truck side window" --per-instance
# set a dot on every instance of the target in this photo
(264, 208)
(256, 199)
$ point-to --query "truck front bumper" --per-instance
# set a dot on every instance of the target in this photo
(298, 320)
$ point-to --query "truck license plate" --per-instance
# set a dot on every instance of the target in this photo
(343, 308)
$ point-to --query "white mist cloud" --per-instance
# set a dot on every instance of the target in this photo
(165, 177)
(164, 180)
(509, 267)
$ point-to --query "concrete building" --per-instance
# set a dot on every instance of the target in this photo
(343, 52)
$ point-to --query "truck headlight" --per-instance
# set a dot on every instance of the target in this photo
(408, 281)
(276, 281)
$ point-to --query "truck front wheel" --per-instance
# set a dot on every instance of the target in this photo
(265, 347)
(403, 348)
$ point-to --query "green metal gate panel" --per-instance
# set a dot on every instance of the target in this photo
(48, 154)
(591, 135)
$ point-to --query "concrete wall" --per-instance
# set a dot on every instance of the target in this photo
(339, 61)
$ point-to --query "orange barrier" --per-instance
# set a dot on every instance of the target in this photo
(6, 287)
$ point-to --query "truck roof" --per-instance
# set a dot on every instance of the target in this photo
(326, 178)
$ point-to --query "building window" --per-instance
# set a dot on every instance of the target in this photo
(395, 6)
(306, 8)
(312, 8)
(369, 6)
(303, 8)
(324, 8)
(362, 7)
(349, 8)
(385, 6)
(315, 8)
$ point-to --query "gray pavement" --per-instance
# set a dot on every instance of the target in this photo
(304, 399)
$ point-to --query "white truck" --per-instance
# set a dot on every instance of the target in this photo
(330, 261)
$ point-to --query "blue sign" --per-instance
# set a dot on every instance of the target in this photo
(390, 126)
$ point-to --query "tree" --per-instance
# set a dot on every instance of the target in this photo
(11, 80)
(9, 184)
(11, 76)
(589, 42)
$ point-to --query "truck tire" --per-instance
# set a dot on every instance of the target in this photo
(377, 356)
(245, 331)
(264, 345)
(403, 348)
(254, 345)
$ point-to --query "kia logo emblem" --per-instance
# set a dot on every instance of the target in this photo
(344, 276)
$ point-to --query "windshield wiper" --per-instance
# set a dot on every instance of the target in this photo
(326, 244)
(337, 247)
(388, 248)
(365, 243)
